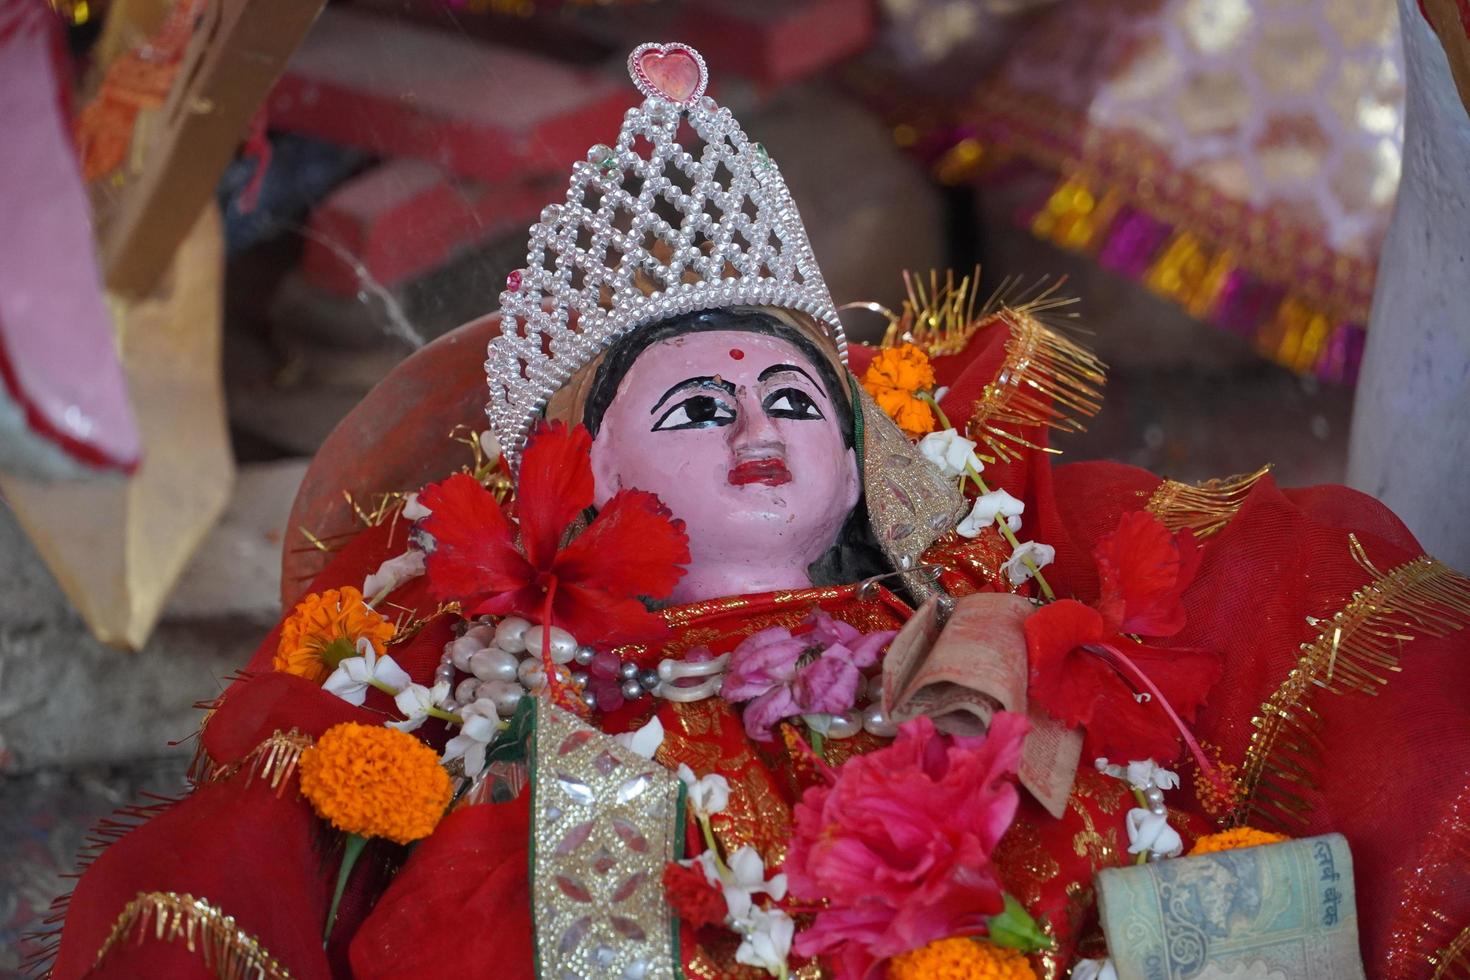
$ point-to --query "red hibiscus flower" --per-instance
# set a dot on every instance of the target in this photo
(1087, 670)
(633, 549)
(899, 845)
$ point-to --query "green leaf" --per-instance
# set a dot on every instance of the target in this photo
(1015, 928)
(512, 744)
(351, 851)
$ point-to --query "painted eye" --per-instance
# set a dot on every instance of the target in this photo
(698, 412)
(791, 403)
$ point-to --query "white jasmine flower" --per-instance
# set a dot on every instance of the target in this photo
(1094, 970)
(1142, 775)
(1040, 554)
(950, 452)
(1139, 774)
(414, 702)
(705, 861)
(748, 874)
(987, 506)
(709, 795)
(354, 675)
(1149, 831)
(481, 723)
(413, 510)
(765, 940)
(646, 740)
(393, 573)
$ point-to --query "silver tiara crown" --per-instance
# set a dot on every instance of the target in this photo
(657, 225)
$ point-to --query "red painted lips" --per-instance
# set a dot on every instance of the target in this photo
(772, 472)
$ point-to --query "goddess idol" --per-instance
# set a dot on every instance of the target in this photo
(740, 650)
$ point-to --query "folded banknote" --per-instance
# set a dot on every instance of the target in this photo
(1275, 912)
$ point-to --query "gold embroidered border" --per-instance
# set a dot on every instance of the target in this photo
(1205, 508)
(274, 760)
(1045, 380)
(1129, 170)
(228, 951)
(1354, 651)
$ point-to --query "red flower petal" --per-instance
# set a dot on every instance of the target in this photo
(555, 486)
(597, 617)
(634, 548)
(1142, 571)
(692, 897)
(1066, 680)
(1124, 727)
(474, 552)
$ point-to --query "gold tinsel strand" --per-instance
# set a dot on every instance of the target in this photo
(939, 318)
(228, 952)
(1205, 508)
(388, 505)
(1354, 651)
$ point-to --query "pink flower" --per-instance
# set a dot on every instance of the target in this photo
(817, 671)
(900, 844)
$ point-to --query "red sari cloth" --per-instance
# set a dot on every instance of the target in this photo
(1367, 735)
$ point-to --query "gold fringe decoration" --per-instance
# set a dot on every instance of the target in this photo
(1354, 651)
(1423, 934)
(228, 951)
(1452, 961)
(1045, 380)
(274, 760)
(104, 833)
(1205, 508)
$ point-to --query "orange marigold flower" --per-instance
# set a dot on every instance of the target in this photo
(894, 379)
(1229, 840)
(375, 782)
(324, 628)
(960, 958)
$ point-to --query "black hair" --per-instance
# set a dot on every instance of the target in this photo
(855, 555)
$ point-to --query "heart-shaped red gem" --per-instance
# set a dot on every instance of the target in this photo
(671, 71)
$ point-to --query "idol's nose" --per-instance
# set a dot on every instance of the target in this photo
(754, 435)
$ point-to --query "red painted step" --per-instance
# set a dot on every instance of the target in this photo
(404, 218)
(475, 109)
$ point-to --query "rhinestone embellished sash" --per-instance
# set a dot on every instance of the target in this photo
(605, 821)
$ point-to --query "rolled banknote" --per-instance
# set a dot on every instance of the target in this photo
(963, 670)
(1274, 912)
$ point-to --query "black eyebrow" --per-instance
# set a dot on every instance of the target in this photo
(780, 368)
(704, 381)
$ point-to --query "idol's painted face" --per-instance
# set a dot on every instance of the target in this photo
(736, 434)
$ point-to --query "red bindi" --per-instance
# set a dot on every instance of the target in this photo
(736, 353)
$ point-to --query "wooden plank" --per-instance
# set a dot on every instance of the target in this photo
(239, 50)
